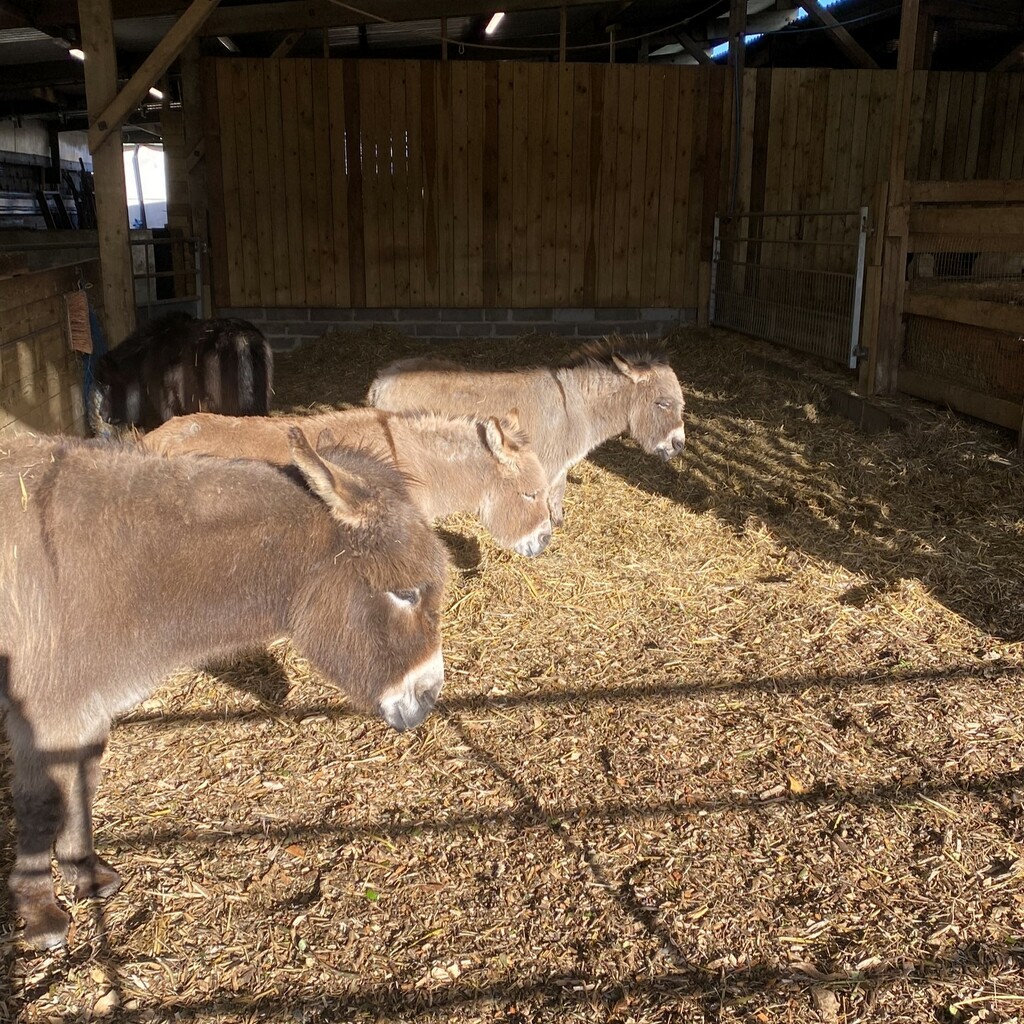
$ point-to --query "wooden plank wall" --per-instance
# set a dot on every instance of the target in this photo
(40, 376)
(460, 184)
(463, 183)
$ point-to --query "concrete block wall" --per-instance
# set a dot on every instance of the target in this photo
(288, 329)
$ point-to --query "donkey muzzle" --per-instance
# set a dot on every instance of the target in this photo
(535, 543)
(672, 446)
(413, 699)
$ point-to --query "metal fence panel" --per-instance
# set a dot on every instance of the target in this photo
(792, 277)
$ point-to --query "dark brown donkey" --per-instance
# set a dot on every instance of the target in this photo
(454, 464)
(604, 389)
(117, 567)
(177, 364)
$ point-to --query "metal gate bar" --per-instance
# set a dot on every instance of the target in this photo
(795, 277)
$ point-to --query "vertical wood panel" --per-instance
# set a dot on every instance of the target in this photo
(563, 185)
(475, 178)
(278, 191)
(399, 152)
(372, 183)
(490, 210)
(307, 178)
(262, 256)
(321, 114)
(354, 166)
(417, 249)
(504, 229)
(339, 182)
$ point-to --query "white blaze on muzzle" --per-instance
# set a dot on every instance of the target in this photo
(536, 542)
(673, 444)
(407, 704)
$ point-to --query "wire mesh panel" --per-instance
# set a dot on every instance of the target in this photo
(795, 278)
(964, 342)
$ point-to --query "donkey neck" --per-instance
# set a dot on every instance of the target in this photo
(597, 402)
(445, 461)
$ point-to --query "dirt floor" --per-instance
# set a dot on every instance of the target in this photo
(745, 744)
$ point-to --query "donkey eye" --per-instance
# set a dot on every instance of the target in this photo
(664, 403)
(530, 497)
(405, 598)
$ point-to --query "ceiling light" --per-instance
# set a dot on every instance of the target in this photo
(156, 93)
(494, 22)
(76, 53)
(228, 43)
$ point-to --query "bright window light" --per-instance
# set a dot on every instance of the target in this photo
(76, 53)
(494, 22)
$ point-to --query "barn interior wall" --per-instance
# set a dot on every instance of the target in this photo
(40, 374)
(462, 184)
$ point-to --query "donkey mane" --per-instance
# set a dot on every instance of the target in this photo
(600, 353)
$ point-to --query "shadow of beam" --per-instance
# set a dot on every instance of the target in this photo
(583, 991)
(567, 815)
(611, 694)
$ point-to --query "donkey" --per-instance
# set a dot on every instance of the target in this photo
(176, 365)
(117, 567)
(603, 389)
(453, 464)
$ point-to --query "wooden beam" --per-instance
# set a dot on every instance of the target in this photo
(860, 57)
(967, 191)
(737, 32)
(195, 161)
(166, 52)
(897, 218)
(108, 173)
(697, 52)
(286, 45)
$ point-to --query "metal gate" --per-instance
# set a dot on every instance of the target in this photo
(792, 277)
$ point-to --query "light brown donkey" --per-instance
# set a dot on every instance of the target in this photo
(604, 389)
(117, 567)
(452, 464)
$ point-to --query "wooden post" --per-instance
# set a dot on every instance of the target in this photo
(737, 62)
(195, 164)
(108, 171)
(737, 34)
(897, 218)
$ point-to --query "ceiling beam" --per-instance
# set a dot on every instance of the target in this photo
(166, 52)
(860, 57)
(695, 50)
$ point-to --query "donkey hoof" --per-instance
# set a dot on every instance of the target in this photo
(98, 880)
(46, 925)
(92, 877)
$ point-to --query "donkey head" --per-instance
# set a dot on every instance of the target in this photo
(656, 406)
(368, 617)
(515, 501)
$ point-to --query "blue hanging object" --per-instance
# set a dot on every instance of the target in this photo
(99, 349)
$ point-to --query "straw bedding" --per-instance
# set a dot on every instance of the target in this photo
(743, 745)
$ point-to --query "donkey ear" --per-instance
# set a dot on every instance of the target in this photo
(500, 446)
(326, 439)
(342, 493)
(636, 375)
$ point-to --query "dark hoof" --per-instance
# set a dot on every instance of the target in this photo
(46, 925)
(93, 879)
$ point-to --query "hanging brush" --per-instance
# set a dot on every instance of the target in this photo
(76, 317)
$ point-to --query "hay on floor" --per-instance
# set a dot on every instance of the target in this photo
(743, 745)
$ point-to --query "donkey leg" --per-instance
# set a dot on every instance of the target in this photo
(556, 491)
(90, 874)
(38, 812)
